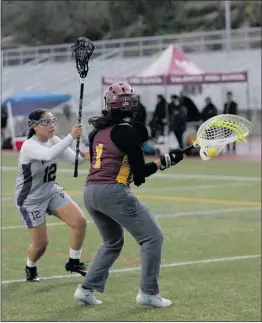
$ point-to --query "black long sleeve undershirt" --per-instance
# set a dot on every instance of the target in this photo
(127, 140)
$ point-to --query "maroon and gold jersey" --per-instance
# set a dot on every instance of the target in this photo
(109, 164)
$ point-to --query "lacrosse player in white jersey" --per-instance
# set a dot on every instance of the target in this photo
(37, 193)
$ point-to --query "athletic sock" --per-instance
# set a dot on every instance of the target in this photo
(74, 255)
(30, 264)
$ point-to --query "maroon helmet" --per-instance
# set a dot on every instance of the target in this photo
(120, 96)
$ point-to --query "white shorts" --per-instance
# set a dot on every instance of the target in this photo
(33, 215)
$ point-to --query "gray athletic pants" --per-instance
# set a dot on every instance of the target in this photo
(113, 206)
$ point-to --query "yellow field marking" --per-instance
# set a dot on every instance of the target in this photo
(187, 199)
(183, 199)
(198, 200)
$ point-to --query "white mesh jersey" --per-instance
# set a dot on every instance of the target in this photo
(37, 166)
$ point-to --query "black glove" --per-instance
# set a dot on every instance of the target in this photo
(171, 158)
(138, 181)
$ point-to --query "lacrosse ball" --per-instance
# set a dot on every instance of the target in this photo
(211, 152)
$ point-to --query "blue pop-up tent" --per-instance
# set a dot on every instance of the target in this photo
(24, 102)
(21, 104)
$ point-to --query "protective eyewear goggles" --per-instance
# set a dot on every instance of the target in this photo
(43, 122)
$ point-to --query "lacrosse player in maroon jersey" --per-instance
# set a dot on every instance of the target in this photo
(117, 159)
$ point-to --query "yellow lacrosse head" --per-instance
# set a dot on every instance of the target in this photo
(217, 132)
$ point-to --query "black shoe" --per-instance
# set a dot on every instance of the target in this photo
(31, 274)
(75, 266)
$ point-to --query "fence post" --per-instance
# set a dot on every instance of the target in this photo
(21, 57)
(141, 48)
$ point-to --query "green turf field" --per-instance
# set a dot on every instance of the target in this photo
(212, 225)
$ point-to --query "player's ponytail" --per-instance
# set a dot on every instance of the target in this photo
(31, 133)
(34, 116)
(101, 122)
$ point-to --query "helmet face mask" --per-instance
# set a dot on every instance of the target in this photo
(120, 100)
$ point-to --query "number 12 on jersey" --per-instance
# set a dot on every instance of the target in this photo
(99, 150)
(50, 173)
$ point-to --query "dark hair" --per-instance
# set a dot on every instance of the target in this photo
(229, 93)
(101, 122)
(115, 117)
(35, 115)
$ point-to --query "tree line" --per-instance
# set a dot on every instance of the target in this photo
(56, 22)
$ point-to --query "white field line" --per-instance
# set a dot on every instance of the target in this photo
(7, 199)
(124, 270)
(167, 175)
(172, 215)
(215, 177)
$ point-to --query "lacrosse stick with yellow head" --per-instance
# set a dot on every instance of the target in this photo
(214, 134)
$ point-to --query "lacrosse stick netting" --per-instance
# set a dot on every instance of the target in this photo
(219, 131)
(83, 50)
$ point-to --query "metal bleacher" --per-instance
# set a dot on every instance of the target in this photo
(63, 77)
(55, 70)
